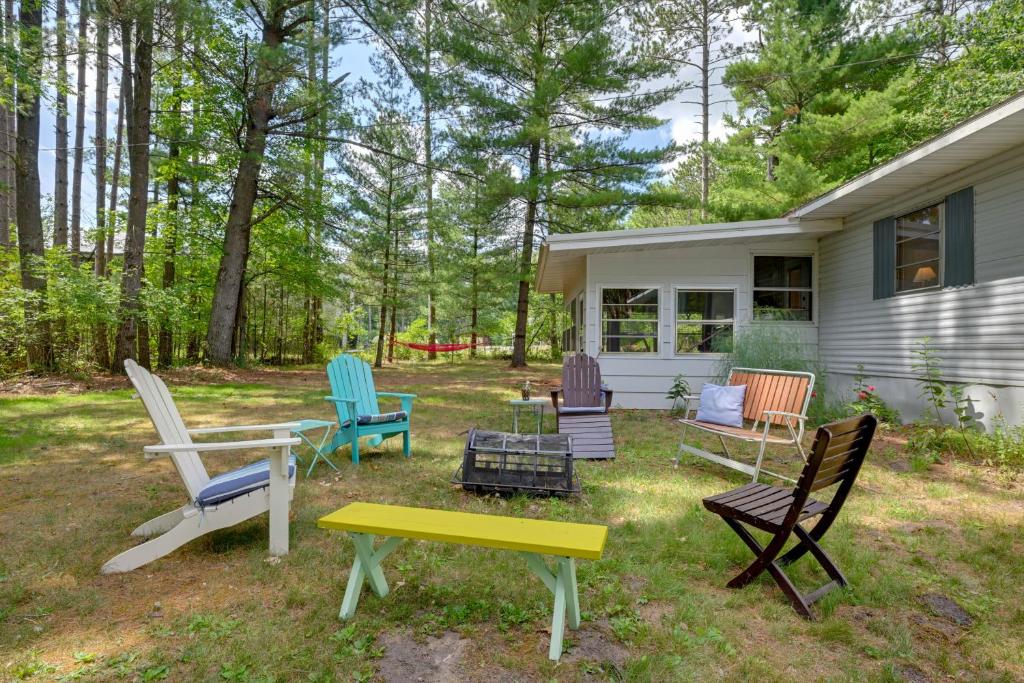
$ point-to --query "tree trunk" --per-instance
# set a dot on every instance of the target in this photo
(101, 350)
(27, 201)
(705, 104)
(378, 360)
(165, 345)
(115, 176)
(8, 135)
(426, 93)
(137, 102)
(526, 259)
(474, 291)
(76, 177)
(243, 195)
(60, 175)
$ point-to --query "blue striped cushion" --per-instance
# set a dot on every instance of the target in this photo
(581, 410)
(397, 416)
(238, 482)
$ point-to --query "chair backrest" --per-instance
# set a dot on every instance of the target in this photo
(351, 377)
(836, 458)
(581, 382)
(773, 390)
(168, 424)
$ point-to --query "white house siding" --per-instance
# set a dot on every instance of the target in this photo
(978, 331)
(641, 381)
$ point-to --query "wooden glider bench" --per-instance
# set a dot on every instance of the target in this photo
(773, 397)
(532, 538)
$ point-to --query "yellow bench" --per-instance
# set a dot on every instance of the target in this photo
(530, 537)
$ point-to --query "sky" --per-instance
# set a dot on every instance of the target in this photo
(682, 123)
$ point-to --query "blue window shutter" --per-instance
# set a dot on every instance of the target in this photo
(958, 264)
(885, 258)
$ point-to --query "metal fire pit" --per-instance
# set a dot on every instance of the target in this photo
(517, 463)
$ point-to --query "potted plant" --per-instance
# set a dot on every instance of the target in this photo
(526, 390)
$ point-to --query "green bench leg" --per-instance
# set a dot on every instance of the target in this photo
(366, 566)
(562, 583)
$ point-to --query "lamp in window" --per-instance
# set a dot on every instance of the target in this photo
(924, 275)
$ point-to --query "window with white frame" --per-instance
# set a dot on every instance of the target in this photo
(782, 288)
(705, 319)
(629, 320)
(919, 249)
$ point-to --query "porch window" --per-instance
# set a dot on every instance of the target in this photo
(629, 320)
(918, 249)
(704, 321)
(782, 288)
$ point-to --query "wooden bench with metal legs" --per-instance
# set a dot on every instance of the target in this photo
(838, 452)
(773, 398)
(532, 538)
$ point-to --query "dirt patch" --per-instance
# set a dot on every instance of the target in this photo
(595, 643)
(947, 608)
(911, 674)
(437, 660)
(928, 627)
(654, 612)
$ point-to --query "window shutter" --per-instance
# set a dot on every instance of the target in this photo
(958, 265)
(885, 258)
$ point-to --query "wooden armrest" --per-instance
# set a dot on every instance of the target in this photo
(277, 426)
(335, 399)
(395, 394)
(159, 450)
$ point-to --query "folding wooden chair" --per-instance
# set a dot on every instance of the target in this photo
(838, 452)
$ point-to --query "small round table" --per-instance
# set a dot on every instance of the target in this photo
(320, 450)
(535, 404)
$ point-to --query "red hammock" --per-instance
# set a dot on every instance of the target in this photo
(444, 348)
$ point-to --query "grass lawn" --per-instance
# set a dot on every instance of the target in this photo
(655, 608)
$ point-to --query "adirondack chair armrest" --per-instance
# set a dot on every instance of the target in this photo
(406, 399)
(335, 399)
(275, 427)
(163, 449)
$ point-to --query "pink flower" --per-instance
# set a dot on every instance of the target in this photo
(870, 388)
(862, 395)
(814, 394)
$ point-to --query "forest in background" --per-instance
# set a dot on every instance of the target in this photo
(253, 200)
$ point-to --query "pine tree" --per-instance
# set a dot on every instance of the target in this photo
(542, 76)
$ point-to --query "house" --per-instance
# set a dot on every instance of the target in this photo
(929, 244)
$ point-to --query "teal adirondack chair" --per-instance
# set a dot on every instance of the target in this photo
(355, 399)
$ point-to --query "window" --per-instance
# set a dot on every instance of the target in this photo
(629, 320)
(704, 321)
(918, 249)
(782, 288)
(574, 338)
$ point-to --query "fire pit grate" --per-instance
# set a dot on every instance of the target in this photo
(517, 463)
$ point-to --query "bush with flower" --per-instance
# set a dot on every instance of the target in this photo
(867, 400)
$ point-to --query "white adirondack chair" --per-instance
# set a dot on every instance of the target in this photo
(224, 500)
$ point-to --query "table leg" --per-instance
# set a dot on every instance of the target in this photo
(515, 419)
(366, 566)
(562, 584)
(539, 412)
(279, 499)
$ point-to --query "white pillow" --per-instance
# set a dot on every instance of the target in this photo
(722, 405)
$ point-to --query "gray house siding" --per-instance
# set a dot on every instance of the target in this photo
(978, 330)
